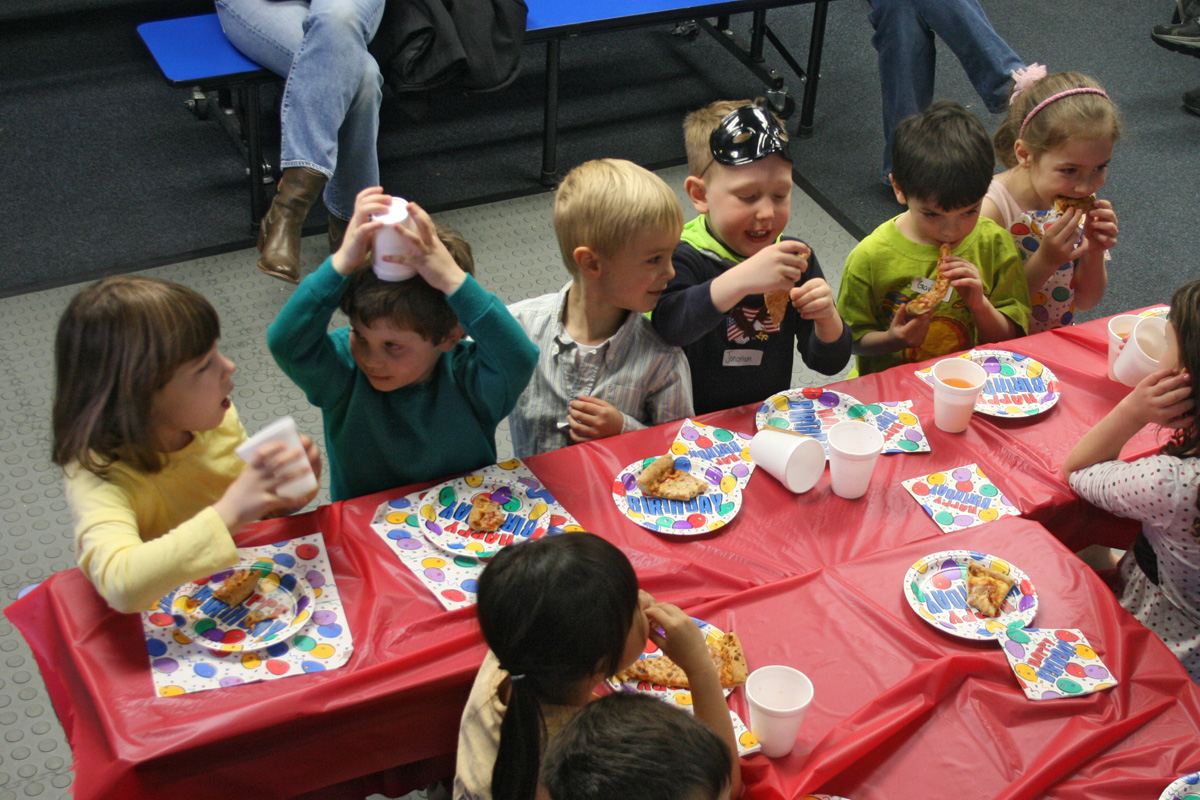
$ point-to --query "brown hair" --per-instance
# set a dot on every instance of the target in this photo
(1077, 116)
(941, 155)
(698, 126)
(602, 204)
(1185, 318)
(119, 342)
(409, 305)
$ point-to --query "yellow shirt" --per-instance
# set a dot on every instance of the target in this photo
(139, 535)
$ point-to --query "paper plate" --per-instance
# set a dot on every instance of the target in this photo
(1157, 311)
(811, 411)
(672, 694)
(935, 587)
(1017, 385)
(711, 510)
(823, 797)
(442, 514)
(1185, 788)
(209, 622)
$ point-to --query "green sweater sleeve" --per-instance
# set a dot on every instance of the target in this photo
(299, 340)
(504, 356)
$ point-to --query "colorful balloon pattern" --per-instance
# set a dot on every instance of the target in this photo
(1050, 663)
(1017, 385)
(935, 588)
(1186, 787)
(180, 664)
(960, 498)
(814, 411)
(442, 512)
(712, 510)
(707, 442)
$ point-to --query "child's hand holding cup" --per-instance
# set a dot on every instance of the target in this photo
(390, 242)
(283, 430)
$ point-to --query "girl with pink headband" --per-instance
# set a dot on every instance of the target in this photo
(1056, 143)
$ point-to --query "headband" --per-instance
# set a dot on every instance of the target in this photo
(1059, 96)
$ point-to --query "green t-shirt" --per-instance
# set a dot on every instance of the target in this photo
(881, 272)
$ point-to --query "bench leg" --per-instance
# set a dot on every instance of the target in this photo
(549, 175)
(254, 155)
(816, 43)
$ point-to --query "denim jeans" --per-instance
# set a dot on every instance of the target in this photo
(330, 108)
(904, 31)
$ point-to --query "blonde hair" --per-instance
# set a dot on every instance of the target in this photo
(119, 342)
(698, 126)
(601, 204)
(1076, 116)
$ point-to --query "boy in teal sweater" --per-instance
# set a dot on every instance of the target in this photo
(403, 396)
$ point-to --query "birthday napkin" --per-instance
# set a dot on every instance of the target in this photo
(710, 443)
(960, 498)
(901, 428)
(1050, 663)
(410, 526)
(181, 665)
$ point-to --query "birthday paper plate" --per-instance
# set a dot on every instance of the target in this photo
(1017, 385)
(1157, 311)
(443, 510)
(823, 797)
(711, 510)
(812, 411)
(935, 587)
(1185, 788)
(210, 622)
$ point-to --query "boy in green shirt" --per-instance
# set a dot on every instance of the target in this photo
(403, 396)
(942, 163)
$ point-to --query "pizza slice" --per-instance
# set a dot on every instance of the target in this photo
(238, 586)
(486, 514)
(259, 614)
(727, 656)
(929, 301)
(777, 302)
(1084, 204)
(661, 479)
(987, 588)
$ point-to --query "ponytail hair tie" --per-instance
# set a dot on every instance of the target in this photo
(1059, 96)
(1025, 77)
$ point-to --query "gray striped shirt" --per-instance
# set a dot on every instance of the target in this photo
(647, 380)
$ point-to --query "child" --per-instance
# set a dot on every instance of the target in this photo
(404, 399)
(603, 370)
(633, 745)
(941, 166)
(1160, 577)
(733, 253)
(145, 433)
(1056, 142)
(560, 615)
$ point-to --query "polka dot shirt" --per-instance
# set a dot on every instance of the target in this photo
(1160, 492)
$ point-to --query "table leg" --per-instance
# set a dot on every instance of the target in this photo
(549, 175)
(813, 73)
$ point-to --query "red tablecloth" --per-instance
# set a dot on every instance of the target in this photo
(793, 573)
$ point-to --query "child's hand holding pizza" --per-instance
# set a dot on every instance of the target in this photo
(1100, 226)
(908, 331)
(683, 641)
(964, 277)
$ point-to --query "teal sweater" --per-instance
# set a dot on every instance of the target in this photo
(382, 440)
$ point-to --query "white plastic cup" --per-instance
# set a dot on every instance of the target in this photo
(1119, 329)
(793, 459)
(854, 448)
(283, 430)
(388, 242)
(957, 383)
(1139, 357)
(778, 697)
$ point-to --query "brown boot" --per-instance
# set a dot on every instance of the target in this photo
(279, 234)
(337, 232)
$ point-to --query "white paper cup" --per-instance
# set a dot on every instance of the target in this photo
(793, 459)
(854, 448)
(388, 242)
(282, 430)
(1142, 351)
(778, 697)
(1119, 328)
(953, 404)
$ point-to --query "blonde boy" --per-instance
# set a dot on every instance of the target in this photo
(733, 253)
(602, 369)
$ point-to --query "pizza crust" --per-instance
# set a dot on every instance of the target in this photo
(1084, 204)
(727, 656)
(987, 588)
(238, 587)
(661, 479)
(930, 300)
(777, 302)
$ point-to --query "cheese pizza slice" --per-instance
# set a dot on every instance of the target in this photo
(777, 302)
(238, 586)
(987, 588)
(727, 656)
(661, 479)
(1084, 204)
(486, 514)
(929, 301)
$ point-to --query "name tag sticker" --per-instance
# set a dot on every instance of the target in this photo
(925, 285)
(742, 358)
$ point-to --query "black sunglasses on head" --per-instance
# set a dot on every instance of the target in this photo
(748, 134)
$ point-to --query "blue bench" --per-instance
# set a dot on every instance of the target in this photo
(193, 51)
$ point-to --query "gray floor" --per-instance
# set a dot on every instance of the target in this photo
(516, 257)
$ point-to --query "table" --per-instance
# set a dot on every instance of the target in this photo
(788, 573)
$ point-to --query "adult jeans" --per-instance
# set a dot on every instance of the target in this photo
(904, 31)
(330, 108)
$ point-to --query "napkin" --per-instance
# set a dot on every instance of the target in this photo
(180, 665)
(708, 442)
(960, 498)
(901, 428)
(1054, 662)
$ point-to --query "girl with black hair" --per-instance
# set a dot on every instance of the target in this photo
(560, 615)
(1160, 577)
